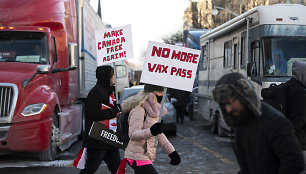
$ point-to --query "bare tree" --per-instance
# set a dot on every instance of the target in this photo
(174, 38)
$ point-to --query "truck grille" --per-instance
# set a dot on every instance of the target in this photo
(8, 100)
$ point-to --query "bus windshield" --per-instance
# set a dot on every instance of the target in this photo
(26, 47)
(280, 53)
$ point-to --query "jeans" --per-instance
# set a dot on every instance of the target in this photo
(96, 156)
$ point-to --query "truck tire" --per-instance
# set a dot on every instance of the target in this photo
(51, 152)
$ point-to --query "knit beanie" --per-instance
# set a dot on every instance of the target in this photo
(152, 88)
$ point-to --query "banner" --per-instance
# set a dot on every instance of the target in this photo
(99, 132)
(113, 44)
(170, 66)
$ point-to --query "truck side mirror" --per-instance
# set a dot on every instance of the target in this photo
(42, 69)
(251, 69)
(73, 54)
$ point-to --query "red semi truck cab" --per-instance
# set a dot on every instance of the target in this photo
(40, 110)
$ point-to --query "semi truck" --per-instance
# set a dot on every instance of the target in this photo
(47, 67)
(248, 44)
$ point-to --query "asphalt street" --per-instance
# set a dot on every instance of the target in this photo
(201, 153)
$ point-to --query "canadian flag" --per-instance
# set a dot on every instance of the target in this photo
(109, 124)
(103, 106)
(80, 160)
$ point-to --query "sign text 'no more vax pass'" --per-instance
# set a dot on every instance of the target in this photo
(114, 44)
(170, 66)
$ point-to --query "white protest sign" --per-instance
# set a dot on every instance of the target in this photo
(114, 44)
(170, 66)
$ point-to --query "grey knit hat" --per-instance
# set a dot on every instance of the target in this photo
(152, 88)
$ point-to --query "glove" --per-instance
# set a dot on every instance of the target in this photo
(175, 158)
(157, 128)
(115, 110)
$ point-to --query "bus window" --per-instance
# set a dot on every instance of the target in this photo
(227, 59)
(235, 56)
(242, 56)
(279, 54)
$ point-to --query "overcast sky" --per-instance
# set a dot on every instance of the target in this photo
(150, 20)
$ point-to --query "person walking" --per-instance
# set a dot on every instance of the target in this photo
(144, 111)
(100, 94)
(182, 100)
(264, 141)
(296, 101)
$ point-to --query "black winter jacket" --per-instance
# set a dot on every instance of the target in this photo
(296, 109)
(93, 112)
(181, 96)
(266, 144)
(98, 95)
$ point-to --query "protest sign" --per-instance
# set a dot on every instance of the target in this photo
(114, 44)
(170, 66)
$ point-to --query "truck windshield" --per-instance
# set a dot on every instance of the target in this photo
(280, 53)
(26, 47)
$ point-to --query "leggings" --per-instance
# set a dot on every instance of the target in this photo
(147, 169)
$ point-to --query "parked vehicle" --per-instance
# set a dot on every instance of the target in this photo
(169, 119)
(42, 91)
(247, 44)
(192, 40)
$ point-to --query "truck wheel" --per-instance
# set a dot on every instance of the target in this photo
(51, 152)
(214, 124)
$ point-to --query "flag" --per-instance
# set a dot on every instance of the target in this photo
(80, 160)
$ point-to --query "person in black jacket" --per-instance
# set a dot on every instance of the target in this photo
(101, 93)
(264, 138)
(182, 100)
(296, 101)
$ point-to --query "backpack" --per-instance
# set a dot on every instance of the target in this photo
(275, 95)
(122, 131)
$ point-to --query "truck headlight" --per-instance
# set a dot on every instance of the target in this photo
(34, 109)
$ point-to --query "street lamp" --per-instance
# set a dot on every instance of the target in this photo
(215, 11)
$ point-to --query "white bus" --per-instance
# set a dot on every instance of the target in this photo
(261, 44)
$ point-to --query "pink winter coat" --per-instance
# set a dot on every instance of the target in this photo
(144, 113)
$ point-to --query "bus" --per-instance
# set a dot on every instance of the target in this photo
(261, 44)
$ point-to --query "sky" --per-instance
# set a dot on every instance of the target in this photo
(151, 20)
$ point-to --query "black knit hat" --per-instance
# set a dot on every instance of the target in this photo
(152, 88)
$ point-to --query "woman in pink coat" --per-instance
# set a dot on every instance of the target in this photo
(144, 110)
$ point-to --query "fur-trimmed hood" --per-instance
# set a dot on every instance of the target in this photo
(236, 85)
(145, 100)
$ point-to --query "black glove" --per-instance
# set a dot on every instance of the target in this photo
(157, 128)
(115, 110)
(175, 158)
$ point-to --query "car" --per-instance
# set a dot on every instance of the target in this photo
(169, 119)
